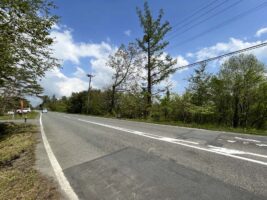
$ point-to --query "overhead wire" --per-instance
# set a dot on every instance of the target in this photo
(223, 56)
(224, 23)
(195, 13)
(185, 24)
(206, 19)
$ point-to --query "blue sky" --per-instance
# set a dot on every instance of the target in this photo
(89, 30)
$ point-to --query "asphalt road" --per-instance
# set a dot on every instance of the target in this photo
(118, 159)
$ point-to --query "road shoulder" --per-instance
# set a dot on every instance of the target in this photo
(20, 179)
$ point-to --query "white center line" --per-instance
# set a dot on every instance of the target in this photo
(149, 135)
(225, 152)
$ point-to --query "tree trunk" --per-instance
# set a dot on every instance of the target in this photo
(112, 99)
(149, 81)
(236, 116)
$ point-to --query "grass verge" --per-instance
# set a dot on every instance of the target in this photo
(31, 115)
(18, 178)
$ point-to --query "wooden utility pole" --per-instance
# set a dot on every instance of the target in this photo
(89, 90)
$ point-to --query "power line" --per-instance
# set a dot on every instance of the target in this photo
(197, 17)
(206, 19)
(247, 12)
(223, 56)
(195, 13)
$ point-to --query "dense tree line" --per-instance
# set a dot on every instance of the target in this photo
(235, 97)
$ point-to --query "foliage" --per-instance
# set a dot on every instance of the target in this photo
(159, 65)
(210, 99)
(24, 45)
(242, 78)
(199, 86)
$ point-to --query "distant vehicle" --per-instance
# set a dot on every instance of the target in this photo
(10, 112)
(25, 110)
(44, 110)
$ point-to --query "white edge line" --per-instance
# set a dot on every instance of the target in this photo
(176, 142)
(63, 182)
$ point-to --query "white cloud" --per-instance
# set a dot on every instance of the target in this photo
(128, 32)
(232, 45)
(261, 31)
(55, 82)
(66, 49)
(181, 61)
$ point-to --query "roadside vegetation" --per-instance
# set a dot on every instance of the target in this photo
(233, 99)
(25, 46)
(26, 55)
(30, 115)
(18, 177)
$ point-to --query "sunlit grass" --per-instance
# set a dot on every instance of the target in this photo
(18, 178)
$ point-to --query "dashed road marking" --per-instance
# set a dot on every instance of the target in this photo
(231, 141)
(247, 140)
(262, 145)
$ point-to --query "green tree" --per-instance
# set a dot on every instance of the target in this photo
(24, 45)
(159, 65)
(199, 86)
(131, 104)
(220, 98)
(166, 105)
(242, 75)
(258, 115)
(77, 102)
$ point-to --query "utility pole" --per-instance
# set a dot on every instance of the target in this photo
(89, 89)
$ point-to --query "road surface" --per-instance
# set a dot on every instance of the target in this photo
(117, 159)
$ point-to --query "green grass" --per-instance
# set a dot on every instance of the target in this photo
(18, 178)
(206, 126)
(31, 115)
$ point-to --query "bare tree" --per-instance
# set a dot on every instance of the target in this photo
(125, 62)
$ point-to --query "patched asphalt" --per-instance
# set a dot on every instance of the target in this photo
(133, 174)
(104, 163)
